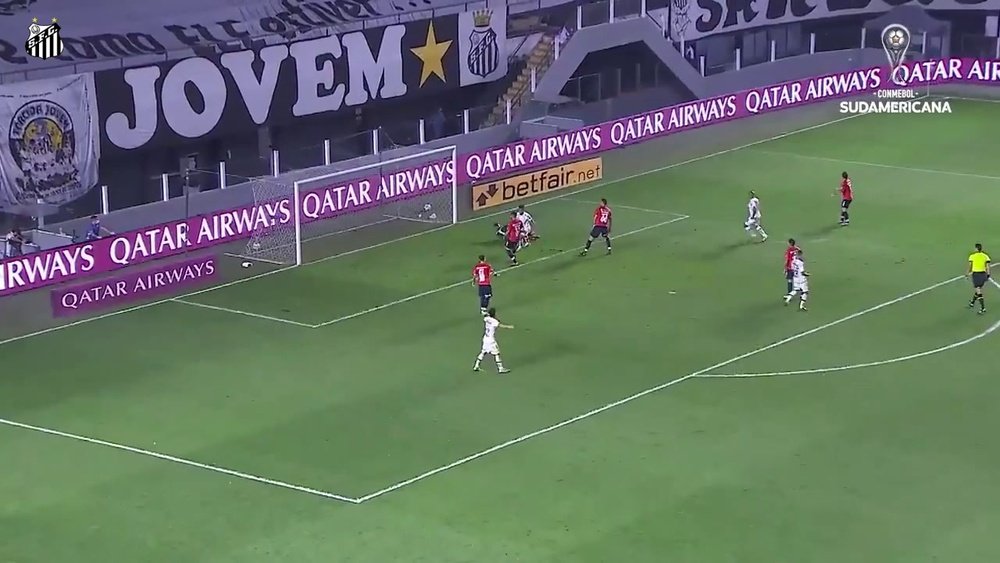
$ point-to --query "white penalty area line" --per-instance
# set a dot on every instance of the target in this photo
(649, 391)
(427, 232)
(467, 282)
(878, 165)
(358, 500)
(179, 460)
(620, 206)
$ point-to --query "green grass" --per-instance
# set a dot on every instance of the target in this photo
(890, 463)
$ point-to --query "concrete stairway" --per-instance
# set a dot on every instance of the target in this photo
(540, 59)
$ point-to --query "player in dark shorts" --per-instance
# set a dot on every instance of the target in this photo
(482, 277)
(979, 271)
(846, 197)
(602, 227)
(512, 238)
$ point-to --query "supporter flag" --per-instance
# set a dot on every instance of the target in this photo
(53, 144)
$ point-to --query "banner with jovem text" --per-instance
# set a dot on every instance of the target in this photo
(204, 97)
(52, 147)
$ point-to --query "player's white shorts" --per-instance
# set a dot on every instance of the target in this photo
(490, 346)
(526, 229)
(752, 223)
(801, 286)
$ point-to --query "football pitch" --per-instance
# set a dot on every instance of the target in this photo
(663, 404)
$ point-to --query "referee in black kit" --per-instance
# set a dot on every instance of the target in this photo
(979, 271)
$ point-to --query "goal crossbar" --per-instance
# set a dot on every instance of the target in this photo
(396, 165)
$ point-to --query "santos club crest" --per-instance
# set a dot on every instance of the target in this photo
(43, 40)
(484, 53)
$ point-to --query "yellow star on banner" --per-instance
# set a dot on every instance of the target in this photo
(432, 55)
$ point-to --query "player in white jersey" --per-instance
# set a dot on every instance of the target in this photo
(800, 282)
(527, 226)
(752, 225)
(490, 345)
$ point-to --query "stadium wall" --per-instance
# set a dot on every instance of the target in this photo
(793, 68)
(198, 203)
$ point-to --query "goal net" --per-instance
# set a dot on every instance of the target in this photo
(401, 195)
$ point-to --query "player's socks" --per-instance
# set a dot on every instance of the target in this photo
(982, 304)
(763, 233)
(500, 367)
(802, 301)
(789, 285)
(608, 240)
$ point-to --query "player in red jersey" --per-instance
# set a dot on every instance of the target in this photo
(790, 253)
(513, 237)
(602, 227)
(846, 197)
(482, 277)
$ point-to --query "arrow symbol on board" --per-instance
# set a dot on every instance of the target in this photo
(492, 190)
(482, 199)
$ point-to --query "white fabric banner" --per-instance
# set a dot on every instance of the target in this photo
(693, 19)
(482, 45)
(53, 142)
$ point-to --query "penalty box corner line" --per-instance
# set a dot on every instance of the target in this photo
(651, 390)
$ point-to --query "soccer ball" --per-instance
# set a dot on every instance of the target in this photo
(246, 264)
(896, 38)
(255, 246)
(427, 207)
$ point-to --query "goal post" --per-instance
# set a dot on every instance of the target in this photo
(398, 195)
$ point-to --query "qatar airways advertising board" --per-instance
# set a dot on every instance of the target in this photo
(349, 196)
